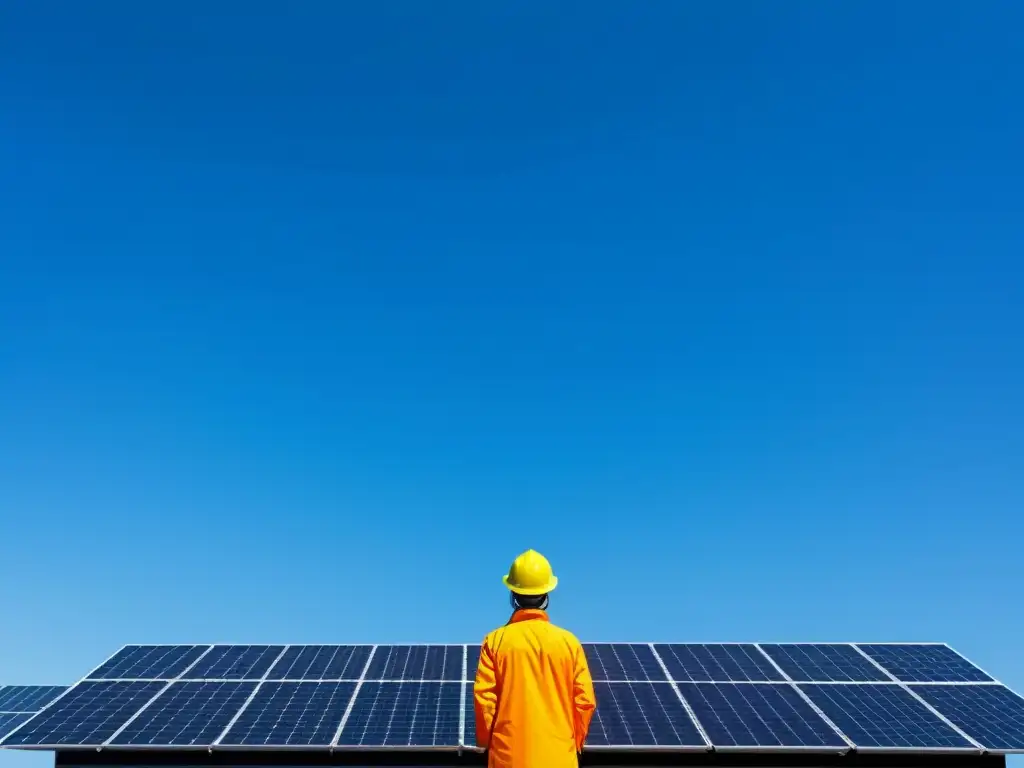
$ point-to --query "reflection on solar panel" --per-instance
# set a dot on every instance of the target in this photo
(149, 662)
(236, 662)
(28, 698)
(187, 714)
(642, 715)
(87, 715)
(404, 715)
(883, 716)
(758, 715)
(823, 663)
(739, 662)
(321, 662)
(291, 714)
(924, 663)
(416, 662)
(622, 661)
(990, 714)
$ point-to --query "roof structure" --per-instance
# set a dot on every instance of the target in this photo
(686, 702)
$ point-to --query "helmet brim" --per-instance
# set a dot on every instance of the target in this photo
(541, 590)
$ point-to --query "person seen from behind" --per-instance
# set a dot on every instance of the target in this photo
(533, 695)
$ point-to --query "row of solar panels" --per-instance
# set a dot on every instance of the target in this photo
(683, 716)
(611, 662)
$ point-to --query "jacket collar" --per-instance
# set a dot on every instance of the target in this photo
(529, 614)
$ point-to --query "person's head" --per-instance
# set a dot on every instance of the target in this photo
(530, 581)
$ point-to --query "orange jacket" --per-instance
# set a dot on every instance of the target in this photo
(533, 696)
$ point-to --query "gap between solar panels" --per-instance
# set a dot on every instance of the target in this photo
(667, 697)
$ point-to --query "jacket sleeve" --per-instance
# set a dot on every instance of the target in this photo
(485, 695)
(584, 700)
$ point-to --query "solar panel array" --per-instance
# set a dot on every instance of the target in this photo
(675, 696)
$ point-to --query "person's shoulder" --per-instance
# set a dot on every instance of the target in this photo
(491, 637)
(566, 635)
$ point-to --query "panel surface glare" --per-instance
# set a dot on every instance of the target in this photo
(404, 715)
(824, 663)
(321, 662)
(291, 714)
(28, 698)
(622, 661)
(758, 715)
(925, 663)
(990, 714)
(416, 662)
(235, 662)
(641, 715)
(187, 714)
(706, 662)
(11, 720)
(149, 662)
(883, 716)
(88, 715)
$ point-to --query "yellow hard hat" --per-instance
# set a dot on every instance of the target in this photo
(530, 574)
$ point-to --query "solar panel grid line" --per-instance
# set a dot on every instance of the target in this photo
(907, 688)
(771, 718)
(643, 716)
(943, 664)
(885, 671)
(228, 658)
(27, 699)
(972, 663)
(67, 691)
(462, 695)
(807, 699)
(686, 705)
(10, 720)
(998, 723)
(248, 701)
(888, 718)
(351, 702)
(142, 709)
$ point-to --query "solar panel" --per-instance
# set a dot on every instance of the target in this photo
(925, 663)
(11, 720)
(291, 714)
(187, 713)
(416, 662)
(28, 698)
(824, 663)
(469, 712)
(404, 715)
(236, 662)
(472, 661)
(148, 662)
(622, 662)
(321, 662)
(705, 662)
(758, 715)
(642, 715)
(992, 715)
(883, 716)
(87, 715)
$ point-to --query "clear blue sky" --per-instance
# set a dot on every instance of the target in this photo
(313, 316)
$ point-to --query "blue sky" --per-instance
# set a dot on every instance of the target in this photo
(312, 317)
